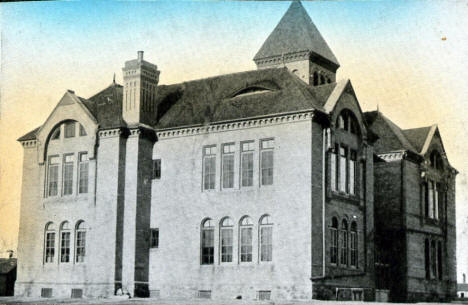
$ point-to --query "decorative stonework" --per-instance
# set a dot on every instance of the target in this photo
(394, 156)
(29, 144)
(304, 55)
(110, 133)
(220, 127)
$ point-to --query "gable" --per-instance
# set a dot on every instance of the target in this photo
(70, 107)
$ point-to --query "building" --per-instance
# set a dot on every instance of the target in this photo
(253, 185)
(462, 288)
(7, 276)
(414, 212)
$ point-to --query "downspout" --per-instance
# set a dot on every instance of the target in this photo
(324, 144)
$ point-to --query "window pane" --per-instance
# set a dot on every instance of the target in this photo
(226, 245)
(82, 131)
(80, 246)
(69, 130)
(68, 175)
(431, 199)
(207, 246)
(352, 171)
(65, 247)
(344, 248)
(228, 170)
(53, 180)
(342, 173)
(436, 202)
(266, 244)
(333, 171)
(333, 246)
(247, 169)
(209, 172)
(267, 167)
(50, 247)
(246, 245)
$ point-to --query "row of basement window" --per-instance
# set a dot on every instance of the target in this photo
(226, 231)
(64, 165)
(228, 151)
(64, 242)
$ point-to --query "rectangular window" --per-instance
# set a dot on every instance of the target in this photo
(156, 174)
(342, 173)
(209, 167)
(333, 170)
(433, 259)
(50, 247)
(344, 248)
(65, 247)
(436, 201)
(53, 175)
(68, 174)
(266, 243)
(80, 246)
(334, 246)
(439, 260)
(154, 243)
(247, 149)
(353, 248)
(427, 259)
(226, 245)
(207, 246)
(266, 161)
(46, 292)
(76, 293)
(228, 165)
(204, 294)
(352, 173)
(83, 173)
(424, 198)
(69, 130)
(246, 245)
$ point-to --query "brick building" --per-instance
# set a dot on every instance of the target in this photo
(258, 184)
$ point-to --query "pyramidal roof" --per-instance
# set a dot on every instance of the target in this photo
(295, 33)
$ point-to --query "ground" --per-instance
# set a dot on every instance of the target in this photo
(137, 301)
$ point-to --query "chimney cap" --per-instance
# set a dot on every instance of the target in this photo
(140, 55)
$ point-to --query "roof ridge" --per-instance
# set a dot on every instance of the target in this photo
(398, 133)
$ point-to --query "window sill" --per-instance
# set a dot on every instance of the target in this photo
(66, 199)
(432, 221)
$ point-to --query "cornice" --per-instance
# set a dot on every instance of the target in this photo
(289, 57)
(29, 143)
(112, 133)
(229, 126)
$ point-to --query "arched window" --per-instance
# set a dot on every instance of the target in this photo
(80, 241)
(316, 79)
(322, 79)
(334, 241)
(436, 160)
(225, 239)
(65, 242)
(207, 242)
(348, 122)
(55, 133)
(49, 243)
(245, 233)
(266, 238)
(433, 259)
(354, 245)
(344, 243)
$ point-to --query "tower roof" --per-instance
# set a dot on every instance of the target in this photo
(295, 33)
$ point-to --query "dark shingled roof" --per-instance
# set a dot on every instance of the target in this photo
(417, 136)
(30, 135)
(221, 98)
(390, 136)
(7, 265)
(215, 99)
(295, 33)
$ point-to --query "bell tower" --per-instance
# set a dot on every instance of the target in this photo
(296, 44)
(140, 81)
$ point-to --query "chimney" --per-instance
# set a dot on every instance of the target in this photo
(140, 55)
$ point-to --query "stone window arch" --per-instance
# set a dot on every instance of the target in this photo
(266, 238)
(245, 239)
(226, 239)
(207, 242)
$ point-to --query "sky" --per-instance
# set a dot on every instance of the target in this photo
(409, 58)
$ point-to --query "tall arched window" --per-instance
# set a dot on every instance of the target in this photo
(433, 259)
(207, 242)
(354, 244)
(322, 79)
(245, 234)
(80, 241)
(348, 122)
(225, 239)
(344, 243)
(49, 243)
(266, 238)
(65, 242)
(316, 78)
(334, 241)
(436, 160)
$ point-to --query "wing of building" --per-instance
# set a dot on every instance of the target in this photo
(252, 185)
